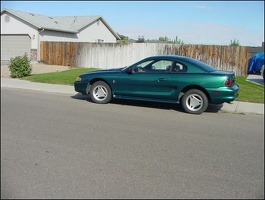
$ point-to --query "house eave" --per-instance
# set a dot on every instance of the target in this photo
(14, 14)
(58, 30)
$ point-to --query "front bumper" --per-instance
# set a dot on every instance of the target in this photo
(81, 87)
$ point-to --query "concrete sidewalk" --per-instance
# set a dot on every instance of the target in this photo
(17, 83)
(234, 107)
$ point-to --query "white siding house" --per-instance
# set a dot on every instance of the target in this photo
(22, 32)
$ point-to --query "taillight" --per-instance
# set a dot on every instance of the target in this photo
(230, 81)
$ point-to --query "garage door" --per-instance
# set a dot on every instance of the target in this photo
(14, 45)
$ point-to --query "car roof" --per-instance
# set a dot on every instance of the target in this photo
(169, 57)
(166, 56)
(186, 59)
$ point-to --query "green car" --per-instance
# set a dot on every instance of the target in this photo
(167, 78)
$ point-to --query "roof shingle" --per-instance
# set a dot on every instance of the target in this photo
(70, 24)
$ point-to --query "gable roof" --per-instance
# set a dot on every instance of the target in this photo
(69, 24)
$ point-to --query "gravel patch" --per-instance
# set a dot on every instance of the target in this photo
(37, 68)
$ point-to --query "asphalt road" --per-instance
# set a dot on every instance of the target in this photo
(58, 146)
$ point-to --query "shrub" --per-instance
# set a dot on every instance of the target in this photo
(20, 66)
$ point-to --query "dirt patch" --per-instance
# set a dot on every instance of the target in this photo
(37, 68)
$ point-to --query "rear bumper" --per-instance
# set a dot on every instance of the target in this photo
(224, 94)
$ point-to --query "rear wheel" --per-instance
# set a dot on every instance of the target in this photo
(100, 92)
(194, 101)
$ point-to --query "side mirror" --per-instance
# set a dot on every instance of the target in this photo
(132, 70)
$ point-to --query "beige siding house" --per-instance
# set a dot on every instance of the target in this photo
(22, 32)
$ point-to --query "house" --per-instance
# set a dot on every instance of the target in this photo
(22, 32)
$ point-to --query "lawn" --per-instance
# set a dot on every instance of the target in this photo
(63, 78)
(248, 91)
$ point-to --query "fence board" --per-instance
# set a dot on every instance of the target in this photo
(111, 55)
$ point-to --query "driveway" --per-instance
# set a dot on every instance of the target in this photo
(255, 79)
(37, 68)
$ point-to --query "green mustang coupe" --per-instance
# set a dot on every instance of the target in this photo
(166, 78)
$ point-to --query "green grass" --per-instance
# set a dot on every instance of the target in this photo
(248, 91)
(63, 78)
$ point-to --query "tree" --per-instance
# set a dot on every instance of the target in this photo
(124, 39)
(178, 41)
(234, 42)
(141, 39)
(167, 40)
(163, 39)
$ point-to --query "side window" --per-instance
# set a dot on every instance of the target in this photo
(153, 66)
(179, 67)
(143, 66)
(161, 66)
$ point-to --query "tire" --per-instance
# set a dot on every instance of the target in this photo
(100, 92)
(194, 101)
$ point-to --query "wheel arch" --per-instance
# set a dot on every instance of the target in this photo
(91, 82)
(184, 90)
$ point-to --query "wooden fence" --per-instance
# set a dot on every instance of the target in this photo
(114, 55)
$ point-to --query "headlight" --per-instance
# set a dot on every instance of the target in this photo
(78, 79)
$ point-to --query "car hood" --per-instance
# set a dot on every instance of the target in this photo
(105, 71)
(108, 70)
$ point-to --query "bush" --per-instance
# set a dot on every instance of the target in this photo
(20, 66)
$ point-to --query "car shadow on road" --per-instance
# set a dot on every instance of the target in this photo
(212, 108)
(80, 96)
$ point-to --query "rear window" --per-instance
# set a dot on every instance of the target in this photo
(201, 65)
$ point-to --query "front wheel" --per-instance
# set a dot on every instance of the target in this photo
(100, 92)
(194, 101)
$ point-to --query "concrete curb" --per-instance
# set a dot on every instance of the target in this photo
(234, 107)
(244, 107)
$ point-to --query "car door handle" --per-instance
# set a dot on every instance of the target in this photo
(161, 79)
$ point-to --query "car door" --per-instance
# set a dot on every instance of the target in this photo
(149, 79)
(179, 78)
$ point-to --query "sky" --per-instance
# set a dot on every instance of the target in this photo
(193, 22)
